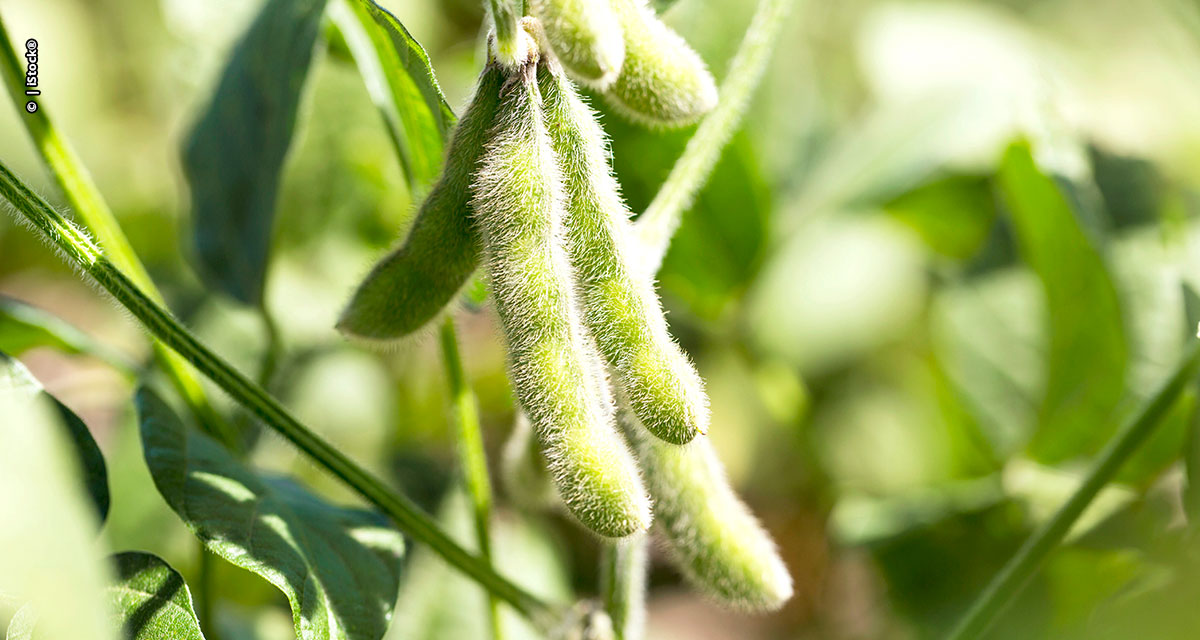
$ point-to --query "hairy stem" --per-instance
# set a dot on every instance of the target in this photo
(505, 15)
(623, 585)
(85, 199)
(471, 455)
(659, 222)
(1021, 567)
(79, 250)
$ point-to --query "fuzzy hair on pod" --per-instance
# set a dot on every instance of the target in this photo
(518, 205)
(585, 37)
(663, 81)
(620, 307)
(413, 283)
(710, 534)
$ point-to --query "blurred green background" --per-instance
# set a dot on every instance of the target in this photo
(912, 347)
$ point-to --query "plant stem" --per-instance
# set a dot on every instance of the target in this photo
(661, 219)
(83, 253)
(206, 609)
(85, 199)
(623, 585)
(471, 455)
(1021, 567)
(505, 15)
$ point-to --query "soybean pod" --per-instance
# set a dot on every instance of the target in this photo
(585, 36)
(518, 205)
(662, 81)
(412, 284)
(711, 536)
(620, 307)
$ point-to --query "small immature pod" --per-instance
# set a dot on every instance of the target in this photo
(620, 307)
(711, 535)
(408, 287)
(518, 210)
(585, 36)
(663, 81)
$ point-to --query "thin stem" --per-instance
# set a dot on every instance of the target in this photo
(505, 16)
(661, 219)
(471, 455)
(82, 252)
(206, 608)
(85, 199)
(273, 350)
(623, 585)
(1021, 567)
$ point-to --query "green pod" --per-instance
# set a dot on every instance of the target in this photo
(413, 283)
(711, 535)
(585, 37)
(517, 201)
(663, 81)
(620, 307)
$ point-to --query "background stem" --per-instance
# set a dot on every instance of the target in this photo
(85, 199)
(623, 585)
(79, 250)
(472, 457)
(1017, 572)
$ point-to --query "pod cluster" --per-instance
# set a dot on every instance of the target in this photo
(528, 191)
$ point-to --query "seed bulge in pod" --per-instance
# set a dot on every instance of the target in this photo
(413, 283)
(663, 81)
(517, 201)
(620, 307)
(711, 535)
(585, 36)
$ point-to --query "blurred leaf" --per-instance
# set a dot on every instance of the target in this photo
(152, 600)
(49, 557)
(22, 624)
(234, 156)
(953, 214)
(17, 380)
(339, 568)
(1088, 352)
(1131, 188)
(1191, 459)
(24, 327)
(1191, 308)
(401, 83)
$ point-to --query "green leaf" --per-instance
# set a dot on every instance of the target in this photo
(151, 599)
(1088, 353)
(24, 327)
(234, 157)
(15, 378)
(338, 567)
(22, 624)
(401, 83)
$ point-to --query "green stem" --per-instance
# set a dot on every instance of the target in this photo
(472, 458)
(206, 609)
(79, 250)
(1021, 567)
(661, 219)
(85, 199)
(505, 17)
(623, 585)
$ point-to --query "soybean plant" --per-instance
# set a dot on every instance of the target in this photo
(585, 36)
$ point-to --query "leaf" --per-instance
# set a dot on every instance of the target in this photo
(401, 83)
(24, 327)
(1088, 352)
(22, 624)
(16, 379)
(151, 599)
(339, 568)
(234, 156)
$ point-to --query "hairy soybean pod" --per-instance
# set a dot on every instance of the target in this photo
(585, 36)
(711, 535)
(408, 287)
(663, 81)
(620, 307)
(518, 208)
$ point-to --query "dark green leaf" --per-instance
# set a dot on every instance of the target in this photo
(401, 82)
(234, 157)
(15, 377)
(151, 599)
(24, 327)
(953, 214)
(339, 568)
(1087, 351)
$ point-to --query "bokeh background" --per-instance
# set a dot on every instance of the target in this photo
(905, 378)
